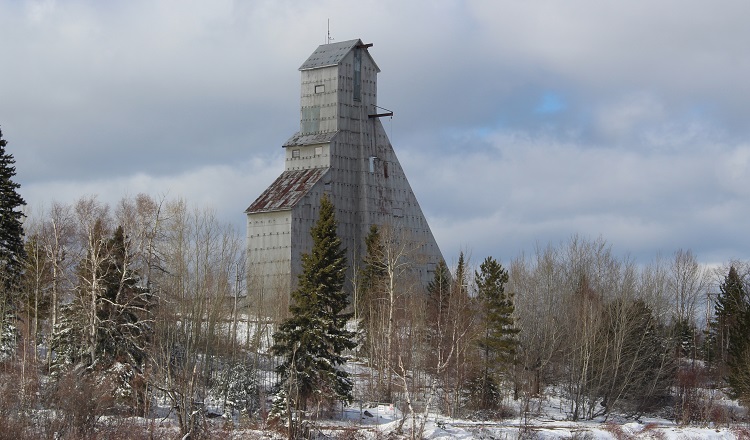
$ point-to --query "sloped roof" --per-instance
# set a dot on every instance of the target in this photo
(327, 55)
(299, 139)
(286, 190)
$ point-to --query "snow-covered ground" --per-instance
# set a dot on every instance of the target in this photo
(550, 421)
(385, 426)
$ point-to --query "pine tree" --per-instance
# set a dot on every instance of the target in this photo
(498, 338)
(313, 339)
(12, 253)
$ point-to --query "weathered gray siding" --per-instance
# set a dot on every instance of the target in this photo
(340, 151)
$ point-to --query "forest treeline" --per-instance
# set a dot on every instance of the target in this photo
(146, 308)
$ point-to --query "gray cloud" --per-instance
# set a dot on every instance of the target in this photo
(541, 119)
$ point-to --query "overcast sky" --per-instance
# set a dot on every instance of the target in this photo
(518, 123)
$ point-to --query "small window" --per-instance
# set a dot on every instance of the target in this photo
(320, 88)
(295, 153)
(318, 151)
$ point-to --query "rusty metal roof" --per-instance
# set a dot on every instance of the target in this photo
(287, 190)
(301, 139)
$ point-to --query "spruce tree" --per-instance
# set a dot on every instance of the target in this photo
(372, 280)
(730, 305)
(125, 308)
(498, 338)
(738, 364)
(374, 269)
(438, 306)
(313, 339)
(12, 253)
(372, 298)
(730, 331)
(11, 221)
(438, 292)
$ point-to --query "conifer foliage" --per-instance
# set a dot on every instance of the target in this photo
(729, 334)
(11, 219)
(498, 337)
(313, 339)
(12, 253)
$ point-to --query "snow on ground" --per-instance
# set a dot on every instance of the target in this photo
(437, 427)
(550, 421)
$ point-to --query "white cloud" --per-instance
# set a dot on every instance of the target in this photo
(226, 189)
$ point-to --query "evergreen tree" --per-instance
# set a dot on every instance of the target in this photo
(730, 331)
(438, 307)
(124, 309)
(372, 283)
(312, 340)
(438, 291)
(374, 268)
(730, 305)
(106, 330)
(68, 339)
(460, 284)
(12, 253)
(11, 221)
(738, 364)
(498, 338)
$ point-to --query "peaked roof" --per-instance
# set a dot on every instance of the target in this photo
(286, 190)
(327, 55)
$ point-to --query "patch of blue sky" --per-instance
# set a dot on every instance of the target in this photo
(550, 103)
(483, 132)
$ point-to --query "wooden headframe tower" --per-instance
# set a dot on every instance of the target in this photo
(341, 150)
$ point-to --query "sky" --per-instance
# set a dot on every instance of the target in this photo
(518, 123)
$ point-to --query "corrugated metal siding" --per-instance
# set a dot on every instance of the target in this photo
(287, 190)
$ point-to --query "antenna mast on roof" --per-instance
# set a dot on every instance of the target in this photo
(329, 38)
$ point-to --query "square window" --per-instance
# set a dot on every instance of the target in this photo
(295, 153)
(318, 151)
(320, 88)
